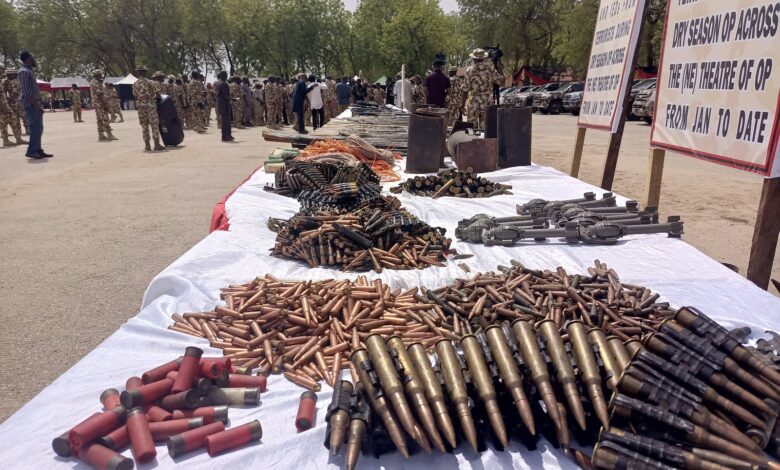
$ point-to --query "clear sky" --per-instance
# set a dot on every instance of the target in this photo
(446, 5)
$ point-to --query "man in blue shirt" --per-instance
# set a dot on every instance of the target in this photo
(31, 101)
(343, 93)
(299, 97)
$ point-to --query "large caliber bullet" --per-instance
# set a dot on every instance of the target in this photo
(359, 416)
(706, 327)
(563, 369)
(622, 358)
(599, 340)
(610, 455)
(433, 391)
(532, 357)
(487, 392)
(338, 415)
(368, 378)
(658, 449)
(391, 385)
(450, 371)
(631, 408)
(414, 389)
(589, 369)
(510, 375)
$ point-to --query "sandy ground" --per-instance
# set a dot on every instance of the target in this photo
(86, 231)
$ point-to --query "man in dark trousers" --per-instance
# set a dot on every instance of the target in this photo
(223, 105)
(437, 85)
(299, 96)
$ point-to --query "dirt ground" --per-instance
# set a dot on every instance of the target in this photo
(86, 231)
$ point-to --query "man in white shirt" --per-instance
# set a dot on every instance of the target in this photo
(403, 99)
(315, 99)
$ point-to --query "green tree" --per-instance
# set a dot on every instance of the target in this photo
(9, 38)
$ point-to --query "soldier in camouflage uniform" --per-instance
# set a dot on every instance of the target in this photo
(197, 101)
(160, 87)
(210, 102)
(113, 103)
(13, 89)
(478, 85)
(455, 96)
(74, 95)
(177, 93)
(418, 92)
(5, 117)
(236, 102)
(273, 102)
(258, 104)
(146, 93)
(100, 103)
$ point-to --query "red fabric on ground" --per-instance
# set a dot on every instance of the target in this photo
(219, 218)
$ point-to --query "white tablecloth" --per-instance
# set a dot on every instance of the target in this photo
(671, 267)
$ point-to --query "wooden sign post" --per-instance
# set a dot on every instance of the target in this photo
(718, 99)
(605, 101)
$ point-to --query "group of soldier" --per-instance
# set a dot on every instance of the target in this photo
(11, 114)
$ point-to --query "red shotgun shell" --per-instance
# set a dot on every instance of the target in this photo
(163, 430)
(94, 427)
(140, 435)
(234, 437)
(203, 384)
(117, 439)
(158, 373)
(193, 439)
(110, 398)
(256, 381)
(209, 414)
(61, 445)
(212, 367)
(103, 458)
(306, 410)
(146, 393)
(188, 370)
(133, 383)
(155, 413)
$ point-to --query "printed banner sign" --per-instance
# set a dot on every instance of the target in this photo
(611, 57)
(719, 84)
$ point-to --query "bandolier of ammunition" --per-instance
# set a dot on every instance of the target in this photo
(455, 183)
(380, 235)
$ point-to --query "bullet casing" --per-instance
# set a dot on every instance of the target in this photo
(589, 370)
(433, 391)
(564, 371)
(484, 384)
(456, 387)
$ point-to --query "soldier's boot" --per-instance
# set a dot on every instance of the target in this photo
(157, 145)
(113, 118)
(147, 145)
(111, 136)
(102, 137)
(7, 142)
(20, 141)
(121, 118)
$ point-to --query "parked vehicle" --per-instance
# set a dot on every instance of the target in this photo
(521, 96)
(572, 102)
(644, 105)
(648, 84)
(502, 93)
(551, 99)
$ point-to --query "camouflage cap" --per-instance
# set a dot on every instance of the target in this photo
(479, 53)
(12, 71)
(96, 72)
(158, 74)
(141, 67)
(171, 77)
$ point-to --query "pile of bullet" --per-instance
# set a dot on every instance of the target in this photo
(454, 183)
(693, 397)
(326, 186)
(182, 403)
(379, 235)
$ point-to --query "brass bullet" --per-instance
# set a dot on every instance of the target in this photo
(532, 357)
(337, 416)
(368, 377)
(563, 369)
(456, 387)
(484, 384)
(589, 370)
(414, 389)
(391, 385)
(599, 340)
(619, 351)
(433, 391)
(360, 411)
(510, 375)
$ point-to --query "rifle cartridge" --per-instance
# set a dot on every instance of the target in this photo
(589, 369)
(391, 385)
(599, 340)
(706, 327)
(723, 460)
(564, 371)
(360, 412)
(433, 391)
(761, 434)
(414, 389)
(456, 387)
(630, 408)
(487, 393)
(378, 401)
(510, 375)
(658, 449)
(632, 346)
(532, 357)
(609, 455)
(622, 358)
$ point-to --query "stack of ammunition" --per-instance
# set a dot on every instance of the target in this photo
(379, 235)
(455, 183)
(183, 403)
(693, 397)
(587, 220)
